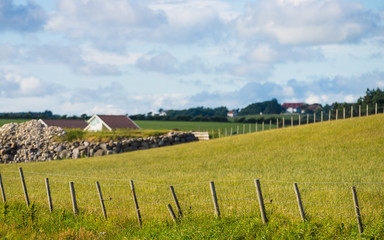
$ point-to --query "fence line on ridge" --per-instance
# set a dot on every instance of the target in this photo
(298, 201)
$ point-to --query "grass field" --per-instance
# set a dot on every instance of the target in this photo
(5, 121)
(325, 160)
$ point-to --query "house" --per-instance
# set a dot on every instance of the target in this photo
(314, 108)
(64, 123)
(162, 113)
(110, 122)
(293, 107)
(232, 114)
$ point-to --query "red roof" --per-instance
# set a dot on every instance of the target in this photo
(292, 105)
(118, 121)
(65, 123)
(314, 107)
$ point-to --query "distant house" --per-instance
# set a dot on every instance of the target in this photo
(314, 108)
(293, 107)
(64, 123)
(232, 114)
(162, 113)
(110, 122)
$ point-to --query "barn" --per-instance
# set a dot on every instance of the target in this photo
(110, 122)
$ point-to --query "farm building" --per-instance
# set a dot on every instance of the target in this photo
(64, 123)
(293, 107)
(314, 108)
(110, 122)
(232, 114)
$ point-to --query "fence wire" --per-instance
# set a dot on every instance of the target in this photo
(234, 197)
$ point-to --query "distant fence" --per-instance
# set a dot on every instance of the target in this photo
(290, 120)
(145, 201)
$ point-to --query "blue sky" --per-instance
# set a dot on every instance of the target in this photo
(126, 56)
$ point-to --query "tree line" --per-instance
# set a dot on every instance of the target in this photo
(219, 114)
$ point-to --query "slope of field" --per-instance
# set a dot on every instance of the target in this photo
(199, 126)
(344, 150)
(325, 159)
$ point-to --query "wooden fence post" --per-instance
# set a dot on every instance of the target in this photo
(176, 201)
(49, 195)
(337, 114)
(243, 128)
(270, 124)
(357, 210)
(219, 132)
(214, 198)
(73, 197)
(238, 130)
(291, 121)
(24, 186)
(262, 126)
(314, 117)
(375, 108)
(2, 189)
(299, 119)
(329, 115)
(343, 112)
(321, 116)
(359, 110)
(351, 111)
(261, 201)
(101, 200)
(307, 118)
(172, 213)
(299, 202)
(283, 122)
(136, 204)
(367, 111)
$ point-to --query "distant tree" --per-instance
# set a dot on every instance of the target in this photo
(267, 107)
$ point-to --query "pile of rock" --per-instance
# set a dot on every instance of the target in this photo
(30, 141)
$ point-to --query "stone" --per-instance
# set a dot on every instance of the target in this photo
(99, 153)
(75, 153)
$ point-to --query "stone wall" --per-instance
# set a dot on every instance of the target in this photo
(30, 142)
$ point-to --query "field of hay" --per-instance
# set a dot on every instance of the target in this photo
(324, 159)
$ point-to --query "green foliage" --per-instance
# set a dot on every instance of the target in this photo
(78, 134)
(372, 96)
(267, 107)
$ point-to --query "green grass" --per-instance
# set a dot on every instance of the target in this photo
(5, 121)
(325, 159)
(103, 136)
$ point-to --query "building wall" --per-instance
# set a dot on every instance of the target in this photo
(95, 125)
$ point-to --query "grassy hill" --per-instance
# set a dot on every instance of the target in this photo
(325, 159)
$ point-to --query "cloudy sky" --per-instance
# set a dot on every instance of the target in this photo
(129, 56)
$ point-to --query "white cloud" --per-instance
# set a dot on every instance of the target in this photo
(108, 58)
(306, 22)
(14, 85)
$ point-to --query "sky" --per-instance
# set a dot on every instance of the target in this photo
(129, 57)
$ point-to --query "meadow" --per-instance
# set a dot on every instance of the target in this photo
(324, 159)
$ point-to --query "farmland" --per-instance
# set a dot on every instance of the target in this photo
(325, 159)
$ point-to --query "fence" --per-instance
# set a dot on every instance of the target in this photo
(297, 120)
(145, 201)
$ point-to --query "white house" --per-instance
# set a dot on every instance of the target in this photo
(293, 107)
(110, 122)
(232, 114)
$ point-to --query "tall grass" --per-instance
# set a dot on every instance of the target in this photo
(79, 134)
(325, 159)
